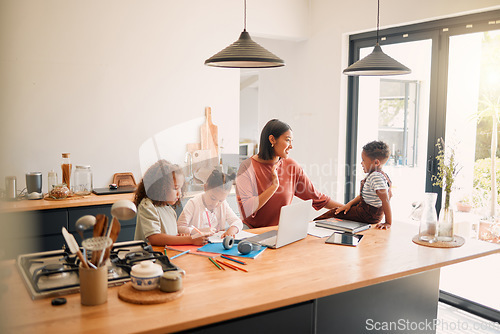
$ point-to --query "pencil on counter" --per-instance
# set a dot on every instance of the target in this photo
(215, 264)
(231, 259)
(185, 252)
(232, 265)
(226, 264)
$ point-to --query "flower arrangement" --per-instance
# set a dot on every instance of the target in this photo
(447, 169)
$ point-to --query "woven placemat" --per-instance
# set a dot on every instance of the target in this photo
(129, 294)
(457, 242)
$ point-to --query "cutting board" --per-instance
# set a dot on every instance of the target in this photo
(209, 134)
(128, 294)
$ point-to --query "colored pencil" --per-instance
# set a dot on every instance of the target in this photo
(200, 232)
(185, 252)
(230, 258)
(165, 251)
(226, 264)
(215, 264)
(208, 218)
(232, 265)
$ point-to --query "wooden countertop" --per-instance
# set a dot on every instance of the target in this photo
(299, 272)
(46, 204)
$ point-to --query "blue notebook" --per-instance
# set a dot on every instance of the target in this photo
(218, 248)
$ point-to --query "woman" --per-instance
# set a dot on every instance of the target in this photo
(269, 180)
(156, 196)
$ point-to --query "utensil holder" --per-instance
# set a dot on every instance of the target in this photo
(93, 285)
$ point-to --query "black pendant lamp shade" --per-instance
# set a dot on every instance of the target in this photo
(377, 62)
(244, 53)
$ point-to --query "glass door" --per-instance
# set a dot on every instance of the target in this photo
(395, 109)
(472, 112)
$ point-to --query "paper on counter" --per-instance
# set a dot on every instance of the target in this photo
(319, 232)
(239, 236)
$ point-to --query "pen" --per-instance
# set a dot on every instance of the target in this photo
(215, 264)
(185, 252)
(200, 232)
(208, 218)
(231, 259)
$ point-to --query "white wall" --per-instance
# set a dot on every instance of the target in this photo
(310, 92)
(98, 78)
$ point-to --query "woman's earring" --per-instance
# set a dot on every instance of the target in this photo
(272, 145)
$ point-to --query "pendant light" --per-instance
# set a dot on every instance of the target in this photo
(377, 62)
(244, 53)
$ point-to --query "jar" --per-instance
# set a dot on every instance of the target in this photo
(51, 180)
(59, 191)
(428, 221)
(66, 167)
(171, 281)
(82, 181)
(146, 275)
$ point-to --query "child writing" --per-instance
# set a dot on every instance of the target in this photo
(156, 196)
(373, 201)
(209, 211)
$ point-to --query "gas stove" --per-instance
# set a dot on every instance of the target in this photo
(55, 273)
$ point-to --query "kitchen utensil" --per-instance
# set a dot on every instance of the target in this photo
(93, 285)
(99, 230)
(123, 210)
(124, 179)
(73, 246)
(209, 134)
(97, 245)
(115, 230)
(146, 275)
(34, 185)
(84, 223)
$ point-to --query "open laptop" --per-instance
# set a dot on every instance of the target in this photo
(294, 220)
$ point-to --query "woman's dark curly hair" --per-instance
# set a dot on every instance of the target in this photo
(377, 150)
(157, 181)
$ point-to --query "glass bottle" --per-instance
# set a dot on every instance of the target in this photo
(66, 169)
(446, 221)
(82, 180)
(428, 221)
(52, 180)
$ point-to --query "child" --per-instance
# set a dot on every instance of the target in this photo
(156, 196)
(209, 211)
(373, 201)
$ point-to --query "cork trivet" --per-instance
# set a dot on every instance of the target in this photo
(457, 242)
(129, 294)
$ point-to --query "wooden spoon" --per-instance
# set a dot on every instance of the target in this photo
(115, 230)
(100, 227)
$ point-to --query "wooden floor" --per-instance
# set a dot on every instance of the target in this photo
(452, 321)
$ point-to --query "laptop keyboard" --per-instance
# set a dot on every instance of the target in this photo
(264, 236)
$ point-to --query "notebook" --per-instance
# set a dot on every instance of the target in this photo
(342, 225)
(292, 226)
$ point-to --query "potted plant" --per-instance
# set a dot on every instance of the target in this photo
(447, 170)
(464, 205)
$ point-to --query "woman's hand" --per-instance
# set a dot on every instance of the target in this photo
(274, 176)
(230, 232)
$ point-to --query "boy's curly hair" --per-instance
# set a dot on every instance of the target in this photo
(377, 150)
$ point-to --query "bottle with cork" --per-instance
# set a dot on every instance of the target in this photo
(66, 169)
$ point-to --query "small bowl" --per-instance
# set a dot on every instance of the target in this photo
(146, 275)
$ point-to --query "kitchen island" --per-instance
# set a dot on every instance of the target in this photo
(306, 287)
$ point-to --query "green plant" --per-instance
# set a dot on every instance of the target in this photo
(447, 169)
(482, 182)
